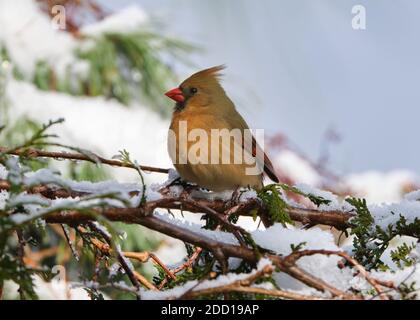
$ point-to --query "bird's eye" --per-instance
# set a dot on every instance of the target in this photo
(193, 90)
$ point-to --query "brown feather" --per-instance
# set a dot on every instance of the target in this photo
(268, 166)
(210, 108)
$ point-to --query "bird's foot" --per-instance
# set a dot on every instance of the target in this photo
(234, 200)
(187, 187)
(183, 183)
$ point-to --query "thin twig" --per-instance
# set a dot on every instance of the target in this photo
(21, 255)
(244, 286)
(121, 259)
(274, 293)
(70, 243)
(375, 284)
(162, 265)
(140, 256)
(266, 271)
(144, 281)
(183, 266)
(35, 153)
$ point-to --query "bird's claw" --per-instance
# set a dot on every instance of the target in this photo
(234, 200)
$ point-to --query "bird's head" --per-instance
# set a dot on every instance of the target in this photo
(198, 91)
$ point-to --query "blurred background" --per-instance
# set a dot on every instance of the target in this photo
(298, 67)
(339, 106)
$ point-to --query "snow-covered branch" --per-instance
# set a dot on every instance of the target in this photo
(46, 195)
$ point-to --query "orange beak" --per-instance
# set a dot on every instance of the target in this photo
(175, 94)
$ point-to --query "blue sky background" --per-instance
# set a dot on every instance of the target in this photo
(298, 67)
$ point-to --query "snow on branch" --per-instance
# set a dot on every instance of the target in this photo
(290, 258)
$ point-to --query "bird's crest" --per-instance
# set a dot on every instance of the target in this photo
(206, 76)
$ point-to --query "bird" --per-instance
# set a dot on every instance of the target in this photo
(201, 108)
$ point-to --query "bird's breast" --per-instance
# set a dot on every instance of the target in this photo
(206, 151)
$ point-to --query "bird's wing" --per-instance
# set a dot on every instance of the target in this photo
(268, 166)
(261, 157)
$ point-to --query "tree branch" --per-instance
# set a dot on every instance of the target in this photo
(336, 219)
(219, 210)
(244, 286)
(36, 153)
(220, 250)
(122, 260)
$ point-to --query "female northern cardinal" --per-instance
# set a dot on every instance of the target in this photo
(203, 109)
